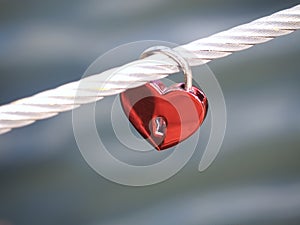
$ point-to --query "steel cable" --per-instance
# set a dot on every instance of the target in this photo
(116, 80)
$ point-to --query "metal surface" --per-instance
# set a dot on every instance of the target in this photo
(182, 62)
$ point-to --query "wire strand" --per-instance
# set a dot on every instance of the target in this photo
(116, 80)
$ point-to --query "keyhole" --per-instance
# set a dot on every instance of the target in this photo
(159, 126)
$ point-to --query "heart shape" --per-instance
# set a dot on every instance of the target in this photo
(164, 116)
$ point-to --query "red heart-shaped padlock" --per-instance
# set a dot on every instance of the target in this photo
(164, 116)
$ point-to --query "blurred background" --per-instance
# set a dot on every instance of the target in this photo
(44, 179)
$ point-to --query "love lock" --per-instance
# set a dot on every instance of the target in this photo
(165, 116)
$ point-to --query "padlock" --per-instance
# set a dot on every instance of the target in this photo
(165, 116)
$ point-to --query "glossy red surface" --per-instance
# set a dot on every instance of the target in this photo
(164, 116)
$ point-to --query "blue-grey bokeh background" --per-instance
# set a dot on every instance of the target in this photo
(44, 179)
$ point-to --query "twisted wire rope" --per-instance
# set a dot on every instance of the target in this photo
(116, 80)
